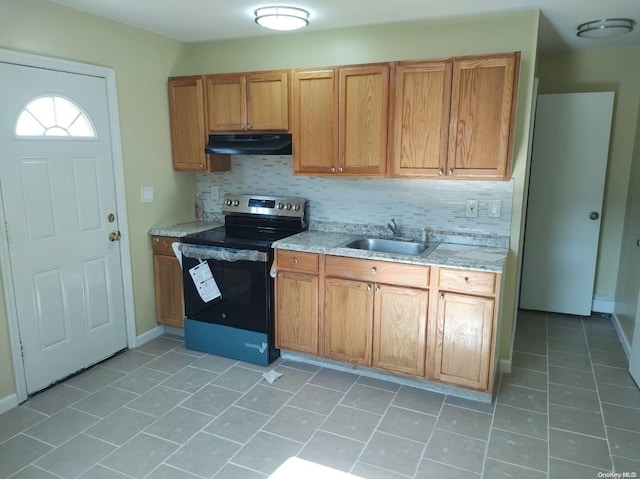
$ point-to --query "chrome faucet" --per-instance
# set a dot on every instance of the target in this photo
(394, 227)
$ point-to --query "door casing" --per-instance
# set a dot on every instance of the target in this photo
(18, 58)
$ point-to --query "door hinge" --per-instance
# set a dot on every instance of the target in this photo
(6, 231)
(22, 349)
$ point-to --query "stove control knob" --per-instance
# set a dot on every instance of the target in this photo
(236, 202)
(296, 207)
(227, 202)
(280, 206)
(289, 206)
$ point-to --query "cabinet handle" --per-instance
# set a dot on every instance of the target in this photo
(466, 280)
(295, 260)
(451, 171)
(201, 166)
(442, 297)
(333, 170)
(279, 275)
(374, 270)
(368, 287)
(249, 127)
(340, 169)
(441, 172)
(377, 288)
(242, 127)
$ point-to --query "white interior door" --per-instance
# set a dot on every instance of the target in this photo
(568, 168)
(58, 192)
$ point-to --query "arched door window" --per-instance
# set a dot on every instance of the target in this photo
(54, 116)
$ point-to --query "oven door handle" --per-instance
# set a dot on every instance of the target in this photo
(222, 254)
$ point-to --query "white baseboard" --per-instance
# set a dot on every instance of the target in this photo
(179, 332)
(505, 366)
(148, 336)
(7, 403)
(603, 304)
(626, 346)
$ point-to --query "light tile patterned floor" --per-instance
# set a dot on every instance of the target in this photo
(569, 409)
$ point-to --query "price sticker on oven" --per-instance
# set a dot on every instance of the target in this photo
(205, 282)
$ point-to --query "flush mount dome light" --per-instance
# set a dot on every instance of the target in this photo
(282, 18)
(610, 27)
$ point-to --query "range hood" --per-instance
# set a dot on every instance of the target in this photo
(253, 144)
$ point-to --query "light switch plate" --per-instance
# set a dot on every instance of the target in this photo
(146, 194)
(495, 208)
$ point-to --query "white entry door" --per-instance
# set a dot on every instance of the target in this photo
(58, 194)
(568, 169)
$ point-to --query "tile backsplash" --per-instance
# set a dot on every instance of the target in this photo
(437, 205)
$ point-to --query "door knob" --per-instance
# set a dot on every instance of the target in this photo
(594, 215)
(114, 236)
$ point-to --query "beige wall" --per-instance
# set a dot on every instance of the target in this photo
(604, 70)
(142, 62)
(416, 40)
(629, 269)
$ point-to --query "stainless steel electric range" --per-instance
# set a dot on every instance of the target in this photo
(228, 288)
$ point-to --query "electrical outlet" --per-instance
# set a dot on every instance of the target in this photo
(215, 192)
(495, 208)
(472, 209)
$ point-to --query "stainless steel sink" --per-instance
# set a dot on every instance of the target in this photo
(383, 245)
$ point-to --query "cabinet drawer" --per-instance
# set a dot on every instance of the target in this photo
(399, 274)
(162, 244)
(297, 261)
(467, 281)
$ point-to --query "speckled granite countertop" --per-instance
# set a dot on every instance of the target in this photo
(454, 255)
(184, 229)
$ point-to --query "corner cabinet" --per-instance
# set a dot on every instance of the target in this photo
(167, 279)
(246, 102)
(463, 334)
(297, 303)
(483, 98)
(187, 116)
(340, 120)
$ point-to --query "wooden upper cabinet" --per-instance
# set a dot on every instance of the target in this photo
(315, 121)
(363, 119)
(481, 123)
(188, 128)
(421, 118)
(248, 102)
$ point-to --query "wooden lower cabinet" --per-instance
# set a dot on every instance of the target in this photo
(297, 311)
(376, 325)
(399, 329)
(167, 278)
(297, 301)
(348, 314)
(463, 340)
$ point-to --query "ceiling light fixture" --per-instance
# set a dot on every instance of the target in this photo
(606, 28)
(282, 18)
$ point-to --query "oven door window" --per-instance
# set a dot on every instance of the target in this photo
(246, 290)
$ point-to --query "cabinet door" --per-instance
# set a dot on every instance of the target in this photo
(399, 329)
(268, 101)
(463, 340)
(482, 101)
(168, 288)
(348, 318)
(315, 121)
(421, 118)
(297, 312)
(363, 119)
(188, 126)
(227, 102)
